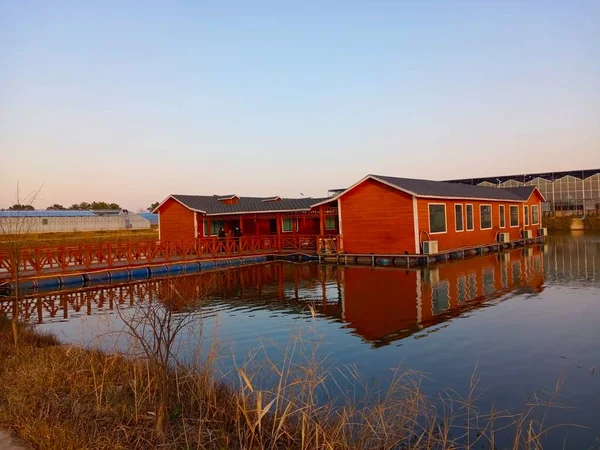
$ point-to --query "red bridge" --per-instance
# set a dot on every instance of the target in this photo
(37, 261)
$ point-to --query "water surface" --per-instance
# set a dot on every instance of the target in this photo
(524, 320)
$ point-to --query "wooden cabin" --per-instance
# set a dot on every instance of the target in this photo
(393, 216)
(190, 217)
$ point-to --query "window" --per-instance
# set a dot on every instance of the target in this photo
(440, 297)
(485, 217)
(469, 217)
(215, 226)
(44, 221)
(526, 215)
(461, 286)
(514, 216)
(535, 214)
(437, 218)
(458, 217)
(502, 217)
(288, 225)
(330, 223)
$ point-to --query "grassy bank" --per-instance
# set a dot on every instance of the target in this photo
(56, 396)
(563, 223)
(82, 237)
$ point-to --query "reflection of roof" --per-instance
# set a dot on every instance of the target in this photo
(212, 205)
(429, 188)
(52, 213)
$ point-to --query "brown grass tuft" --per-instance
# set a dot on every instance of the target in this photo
(57, 396)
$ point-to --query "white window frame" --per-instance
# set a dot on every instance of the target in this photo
(510, 216)
(334, 224)
(445, 218)
(467, 217)
(462, 214)
(491, 217)
(537, 207)
(526, 215)
(502, 216)
(292, 230)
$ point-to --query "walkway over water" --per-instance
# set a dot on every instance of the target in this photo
(38, 261)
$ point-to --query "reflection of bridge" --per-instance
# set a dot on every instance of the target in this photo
(381, 305)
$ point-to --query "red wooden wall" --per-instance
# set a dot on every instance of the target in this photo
(176, 222)
(457, 239)
(377, 219)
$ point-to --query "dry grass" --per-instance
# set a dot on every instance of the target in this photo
(56, 396)
(83, 237)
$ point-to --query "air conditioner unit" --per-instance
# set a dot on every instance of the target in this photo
(504, 237)
(542, 231)
(527, 234)
(430, 247)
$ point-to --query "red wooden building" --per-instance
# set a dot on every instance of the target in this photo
(387, 215)
(191, 217)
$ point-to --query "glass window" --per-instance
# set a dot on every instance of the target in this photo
(215, 226)
(514, 216)
(440, 297)
(488, 282)
(437, 218)
(458, 215)
(485, 222)
(288, 225)
(462, 289)
(535, 214)
(330, 223)
(526, 214)
(469, 217)
(502, 217)
(472, 286)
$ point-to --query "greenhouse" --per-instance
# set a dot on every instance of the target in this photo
(569, 192)
(20, 222)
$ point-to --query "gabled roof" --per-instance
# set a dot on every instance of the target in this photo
(211, 205)
(443, 189)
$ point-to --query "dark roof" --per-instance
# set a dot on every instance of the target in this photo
(211, 205)
(429, 188)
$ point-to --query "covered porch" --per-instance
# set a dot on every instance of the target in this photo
(292, 230)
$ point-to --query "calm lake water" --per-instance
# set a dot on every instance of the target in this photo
(524, 320)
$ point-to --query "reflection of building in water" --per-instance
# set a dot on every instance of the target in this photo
(386, 304)
(270, 286)
(572, 259)
(381, 304)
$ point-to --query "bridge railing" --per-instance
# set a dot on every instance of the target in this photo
(61, 259)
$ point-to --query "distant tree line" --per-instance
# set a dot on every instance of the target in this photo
(152, 206)
(83, 206)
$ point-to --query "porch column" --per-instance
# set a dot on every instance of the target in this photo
(207, 227)
(321, 221)
(279, 225)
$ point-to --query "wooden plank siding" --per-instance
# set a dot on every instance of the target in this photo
(377, 219)
(176, 222)
(452, 238)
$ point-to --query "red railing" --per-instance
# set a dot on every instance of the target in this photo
(61, 259)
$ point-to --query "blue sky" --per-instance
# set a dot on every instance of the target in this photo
(131, 101)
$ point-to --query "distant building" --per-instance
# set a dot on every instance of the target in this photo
(570, 192)
(66, 221)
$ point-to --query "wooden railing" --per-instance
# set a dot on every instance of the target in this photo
(61, 259)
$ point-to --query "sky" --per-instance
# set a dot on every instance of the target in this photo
(129, 102)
